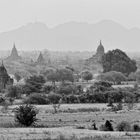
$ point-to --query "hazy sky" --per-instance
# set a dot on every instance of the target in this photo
(15, 13)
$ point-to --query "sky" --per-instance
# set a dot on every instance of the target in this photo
(15, 13)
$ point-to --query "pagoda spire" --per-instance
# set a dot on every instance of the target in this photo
(40, 59)
(14, 54)
(100, 42)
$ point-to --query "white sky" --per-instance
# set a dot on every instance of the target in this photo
(15, 13)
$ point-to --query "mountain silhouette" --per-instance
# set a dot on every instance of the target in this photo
(74, 36)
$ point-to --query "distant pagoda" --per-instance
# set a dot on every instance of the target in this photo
(40, 59)
(95, 62)
(99, 54)
(14, 55)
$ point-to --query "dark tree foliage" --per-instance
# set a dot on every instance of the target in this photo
(17, 76)
(102, 86)
(112, 76)
(66, 89)
(26, 115)
(117, 60)
(14, 91)
(123, 126)
(65, 75)
(87, 75)
(34, 84)
(54, 98)
(61, 75)
(36, 98)
(53, 77)
(108, 126)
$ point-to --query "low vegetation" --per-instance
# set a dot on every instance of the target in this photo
(26, 115)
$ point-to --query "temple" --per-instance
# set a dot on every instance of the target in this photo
(100, 52)
(5, 79)
(40, 59)
(95, 62)
(14, 55)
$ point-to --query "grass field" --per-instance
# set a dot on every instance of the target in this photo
(72, 120)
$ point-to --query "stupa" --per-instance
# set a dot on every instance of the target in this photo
(95, 62)
(40, 59)
(14, 55)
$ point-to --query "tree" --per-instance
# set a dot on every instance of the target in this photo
(113, 76)
(138, 76)
(117, 60)
(14, 91)
(132, 76)
(34, 84)
(17, 77)
(65, 75)
(101, 86)
(46, 72)
(52, 76)
(86, 75)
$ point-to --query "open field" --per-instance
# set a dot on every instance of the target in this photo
(72, 120)
(67, 132)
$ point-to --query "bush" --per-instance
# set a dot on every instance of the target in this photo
(54, 98)
(107, 126)
(72, 99)
(123, 126)
(82, 98)
(26, 115)
(136, 128)
(102, 86)
(36, 98)
(117, 107)
(110, 102)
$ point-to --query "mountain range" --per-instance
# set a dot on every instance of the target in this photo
(72, 36)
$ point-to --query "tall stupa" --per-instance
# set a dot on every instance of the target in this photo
(95, 62)
(14, 55)
(40, 59)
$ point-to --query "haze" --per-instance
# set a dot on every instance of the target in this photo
(16, 13)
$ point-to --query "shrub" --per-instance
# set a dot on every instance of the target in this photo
(26, 115)
(82, 98)
(36, 98)
(72, 99)
(54, 98)
(136, 128)
(117, 107)
(110, 102)
(123, 126)
(102, 86)
(107, 126)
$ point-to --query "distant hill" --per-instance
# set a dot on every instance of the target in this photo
(72, 36)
